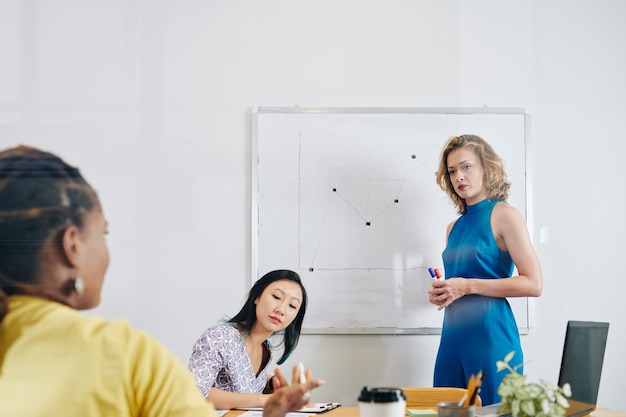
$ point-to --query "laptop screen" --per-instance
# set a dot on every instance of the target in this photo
(581, 366)
(583, 355)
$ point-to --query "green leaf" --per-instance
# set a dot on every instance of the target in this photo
(560, 400)
(567, 390)
(535, 391)
(505, 408)
(528, 407)
(515, 405)
(549, 385)
(522, 399)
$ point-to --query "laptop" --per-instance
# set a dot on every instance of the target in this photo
(581, 367)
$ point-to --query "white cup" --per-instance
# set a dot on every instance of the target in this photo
(382, 402)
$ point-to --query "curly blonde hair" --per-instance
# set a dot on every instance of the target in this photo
(495, 179)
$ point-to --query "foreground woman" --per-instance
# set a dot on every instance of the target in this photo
(54, 360)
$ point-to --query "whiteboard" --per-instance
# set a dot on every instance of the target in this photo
(347, 198)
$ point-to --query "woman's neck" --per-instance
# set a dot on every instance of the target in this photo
(258, 335)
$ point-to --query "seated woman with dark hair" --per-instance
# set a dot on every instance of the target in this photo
(53, 359)
(230, 360)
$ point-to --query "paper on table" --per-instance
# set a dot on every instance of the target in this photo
(318, 407)
(313, 408)
(259, 413)
(422, 413)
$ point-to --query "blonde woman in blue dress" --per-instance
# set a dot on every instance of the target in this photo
(483, 246)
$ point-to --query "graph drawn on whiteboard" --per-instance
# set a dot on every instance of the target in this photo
(349, 201)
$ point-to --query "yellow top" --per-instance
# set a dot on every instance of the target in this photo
(54, 361)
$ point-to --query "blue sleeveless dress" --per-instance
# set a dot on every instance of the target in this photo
(477, 330)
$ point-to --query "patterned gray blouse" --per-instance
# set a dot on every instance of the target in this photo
(219, 359)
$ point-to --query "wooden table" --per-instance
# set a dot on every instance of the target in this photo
(337, 412)
(342, 412)
(354, 412)
(606, 412)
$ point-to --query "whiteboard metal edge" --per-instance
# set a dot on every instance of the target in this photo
(530, 310)
(433, 110)
(400, 110)
(254, 197)
(396, 331)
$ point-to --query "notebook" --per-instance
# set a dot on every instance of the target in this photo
(313, 408)
(422, 413)
(581, 367)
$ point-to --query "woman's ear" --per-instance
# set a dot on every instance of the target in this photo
(70, 244)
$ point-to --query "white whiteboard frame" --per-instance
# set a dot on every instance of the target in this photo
(254, 160)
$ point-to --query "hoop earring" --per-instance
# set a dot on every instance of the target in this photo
(79, 286)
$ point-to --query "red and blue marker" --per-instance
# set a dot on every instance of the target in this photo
(434, 273)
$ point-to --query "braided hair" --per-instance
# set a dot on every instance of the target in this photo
(40, 197)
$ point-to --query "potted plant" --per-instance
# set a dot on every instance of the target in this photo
(523, 399)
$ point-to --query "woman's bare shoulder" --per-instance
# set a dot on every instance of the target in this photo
(505, 217)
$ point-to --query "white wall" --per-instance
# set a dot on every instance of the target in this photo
(152, 100)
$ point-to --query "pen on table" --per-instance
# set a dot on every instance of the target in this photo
(477, 385)
(471, 385)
